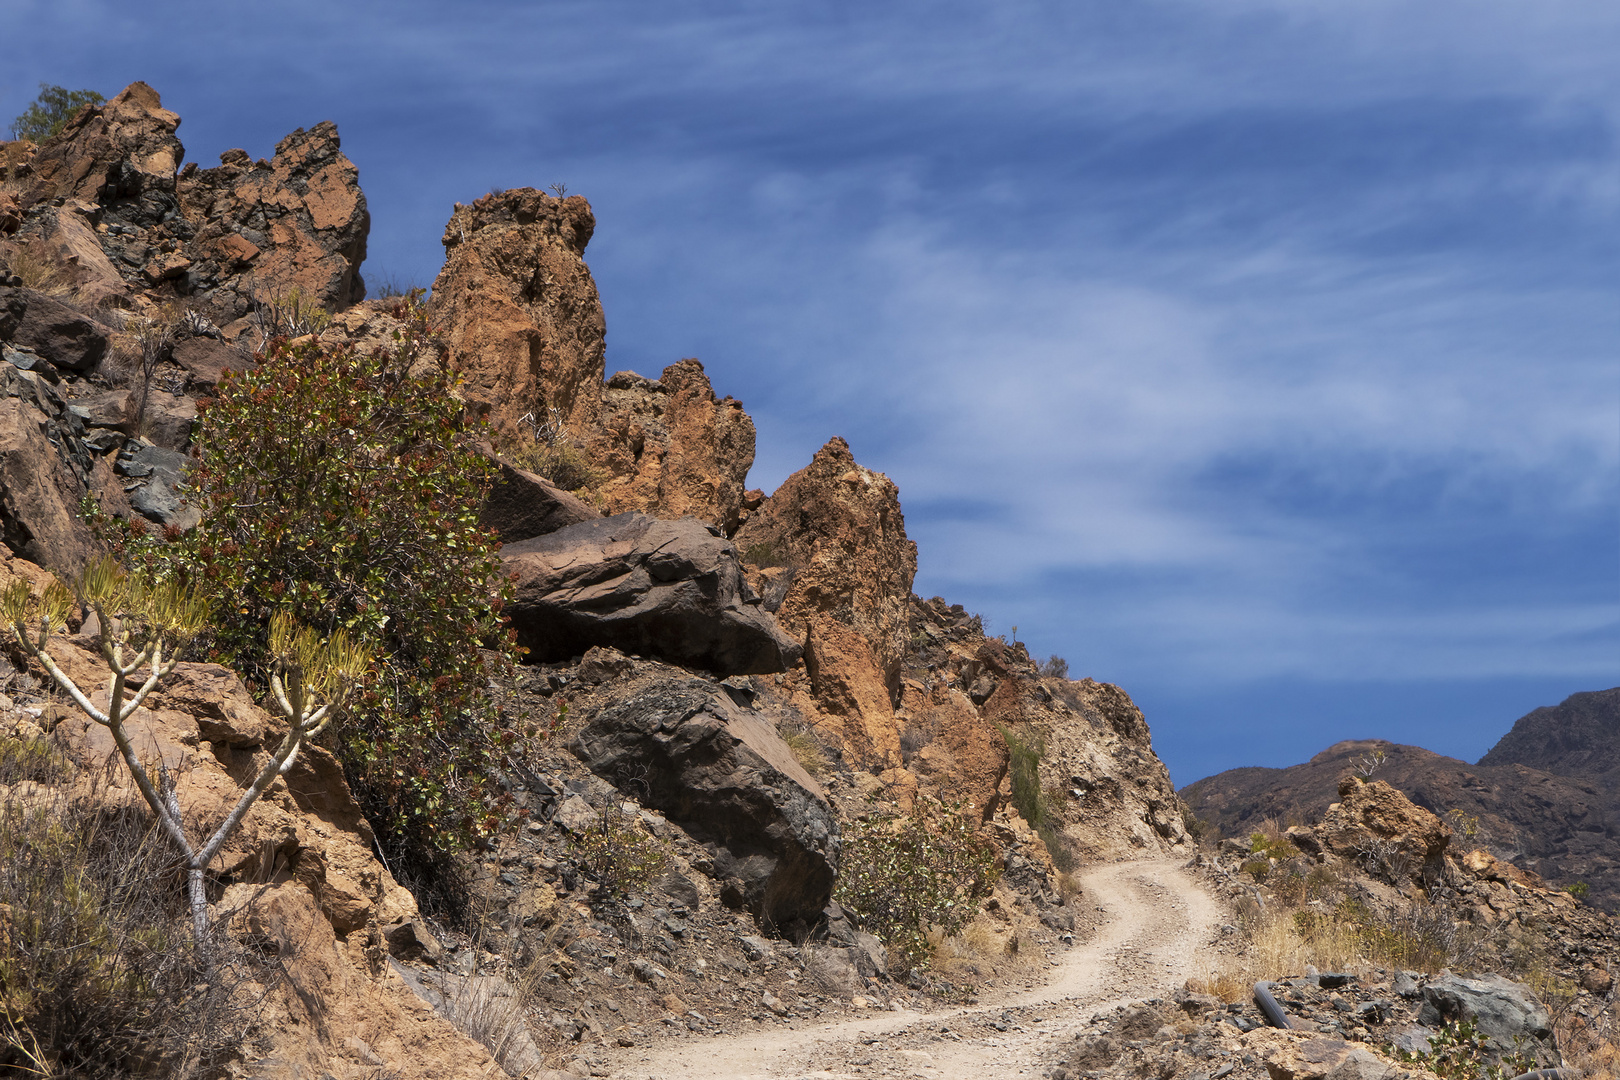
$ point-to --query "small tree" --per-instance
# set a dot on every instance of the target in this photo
(145, 626)
(51, 111)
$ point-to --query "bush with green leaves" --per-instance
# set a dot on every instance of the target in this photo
(617, 854)
(51, 111)
(344, 489)
(902, 875)
(1032, 801)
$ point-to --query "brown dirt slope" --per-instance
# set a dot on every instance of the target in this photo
(1564, 828)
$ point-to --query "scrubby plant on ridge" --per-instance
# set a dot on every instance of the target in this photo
(145, 626)
(51, 110)
(344, 489)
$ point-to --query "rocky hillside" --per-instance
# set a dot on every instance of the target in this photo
(725, 681)
(1561, 826)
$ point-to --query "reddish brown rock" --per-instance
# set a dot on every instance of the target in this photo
(123, 152)
(840, 529)
(263, 229)
(218, 237)
(671, 448)
(519, 309)
(1377, 825)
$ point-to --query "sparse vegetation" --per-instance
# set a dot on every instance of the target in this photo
(1369, 764)
(806, 748)
(1459, 1051)
(148, 626)
(553, 454)
(98, 976)
(905, 876)
(1033, 802)
(1054, 667)
(618, 854)
(288, 314)
(51, 111)
(38, 270)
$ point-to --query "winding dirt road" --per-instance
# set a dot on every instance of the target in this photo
(1157, 919)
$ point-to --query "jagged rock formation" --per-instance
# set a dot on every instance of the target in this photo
(104, 196)
(1563, 828)
(671, 448)
(836, 531)
(519, 309)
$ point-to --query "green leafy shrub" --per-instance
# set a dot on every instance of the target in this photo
(1460, 1051)
(618, 854)
(901, 876)
(1032, 801)
(1578, 890)
(51, 111)
(1269, 846)
(344, 490)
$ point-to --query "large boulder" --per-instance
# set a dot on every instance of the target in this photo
(122, 153)
(1390, 835)
(1506, 1012)
(521, 505)
(671, 448)
(669, 589)
(519, 309)
(722, 772)
(58, 333)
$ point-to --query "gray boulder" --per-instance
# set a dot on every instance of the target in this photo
(522, 505)
(52, 329)
(1504, 1011)
(45, 469)
(668, 589)
(154, 477)
(723, 773)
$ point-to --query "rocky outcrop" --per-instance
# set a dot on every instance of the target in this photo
(297, 880)
(670, 589)
(519, 309)
(1386, 831)
(839, 530)
(262, 229)
(521, 506)
(1506, 1012)
(726, 776)
(671, 448)
(104, 196)
(1561, 828)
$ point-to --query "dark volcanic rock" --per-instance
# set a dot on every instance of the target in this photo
(670, 589)
(725, 775)
(521, 506)
(52, 329)
(45, 468)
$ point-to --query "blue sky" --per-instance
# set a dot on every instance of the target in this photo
(1258, 356)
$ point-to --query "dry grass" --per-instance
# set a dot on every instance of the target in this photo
(996, 944)
(38, 270)
(806, 748)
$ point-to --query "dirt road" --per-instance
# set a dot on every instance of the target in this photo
(1157, 918)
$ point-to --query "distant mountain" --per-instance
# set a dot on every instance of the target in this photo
(1580, 737)
(1564, 828)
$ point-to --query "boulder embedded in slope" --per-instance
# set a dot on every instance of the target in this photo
(1506, 1012)
(725, 775)
(669, 589)
(522, 505)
